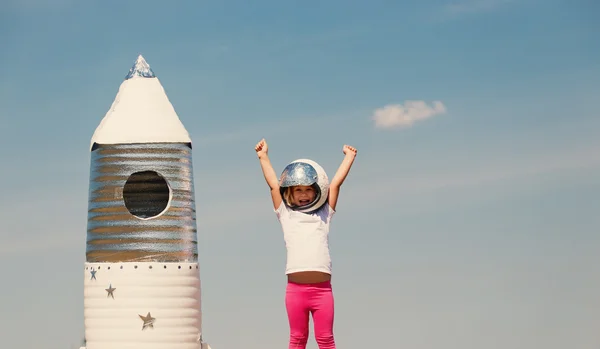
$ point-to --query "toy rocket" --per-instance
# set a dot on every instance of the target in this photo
(141, 277)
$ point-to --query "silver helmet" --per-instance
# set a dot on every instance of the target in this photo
(309, 173)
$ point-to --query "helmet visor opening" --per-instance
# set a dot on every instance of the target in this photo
(306, 206)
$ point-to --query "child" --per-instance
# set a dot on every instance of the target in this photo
(304, 203)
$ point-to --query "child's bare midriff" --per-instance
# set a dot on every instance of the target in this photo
(309, 277)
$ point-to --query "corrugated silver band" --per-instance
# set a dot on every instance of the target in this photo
(114, 233)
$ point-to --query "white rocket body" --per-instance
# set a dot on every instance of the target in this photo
(141, 277)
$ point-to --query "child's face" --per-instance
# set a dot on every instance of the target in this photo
(302, 195)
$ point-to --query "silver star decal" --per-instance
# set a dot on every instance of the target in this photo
(110, 291)
(148, 321)
(93, 275)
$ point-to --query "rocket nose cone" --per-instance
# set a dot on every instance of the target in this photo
(141, 112)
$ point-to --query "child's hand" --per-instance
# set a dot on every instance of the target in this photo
(261, 148)
(349, 150)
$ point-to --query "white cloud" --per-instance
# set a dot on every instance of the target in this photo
(398, 115)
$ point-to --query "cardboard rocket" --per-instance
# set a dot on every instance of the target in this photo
(141, 277)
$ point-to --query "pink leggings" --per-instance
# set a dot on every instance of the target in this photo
(300, 299)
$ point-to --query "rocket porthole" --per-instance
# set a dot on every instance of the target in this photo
(146, 194)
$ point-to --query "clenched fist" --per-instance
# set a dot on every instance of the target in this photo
(261, 148)
(349, 150)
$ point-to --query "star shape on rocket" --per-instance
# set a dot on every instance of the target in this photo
(148, 321)
(93, 275)
(110, 291)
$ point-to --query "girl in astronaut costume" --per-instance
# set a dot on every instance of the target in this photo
(304, 202)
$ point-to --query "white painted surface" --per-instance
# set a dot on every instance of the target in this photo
(141, 113)
(171, 296)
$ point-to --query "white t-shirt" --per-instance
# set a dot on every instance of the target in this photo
(306, 238)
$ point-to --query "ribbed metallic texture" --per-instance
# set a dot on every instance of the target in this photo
(114, 233)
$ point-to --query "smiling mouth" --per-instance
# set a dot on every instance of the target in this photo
(303, 202)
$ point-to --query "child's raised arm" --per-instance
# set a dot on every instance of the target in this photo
(340, 175)
(262, 150)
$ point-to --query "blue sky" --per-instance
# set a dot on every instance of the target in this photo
(472, 228)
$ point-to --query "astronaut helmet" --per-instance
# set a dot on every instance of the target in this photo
(304, 172)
